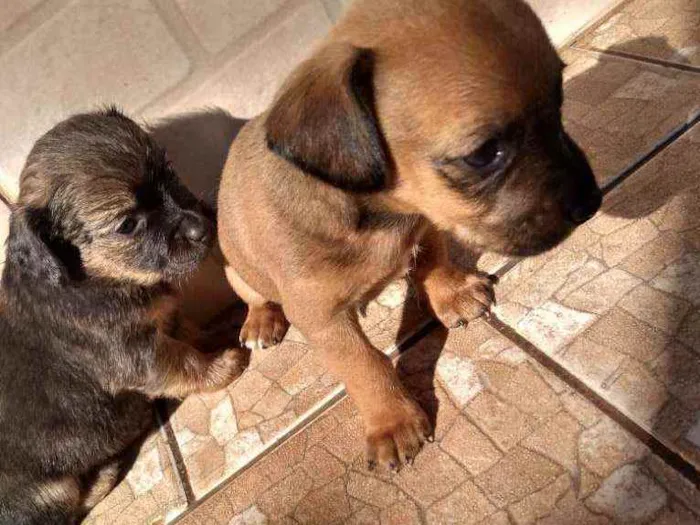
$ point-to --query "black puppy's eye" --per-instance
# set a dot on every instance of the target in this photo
(128, 226)
(490, 156)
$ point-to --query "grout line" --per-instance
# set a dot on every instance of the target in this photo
(639, 58)
(29, 22)
(576, 42)
(176, 458)
(181, 31)
(604, 15)
(660, 449)
(653, 152)
(302, 422)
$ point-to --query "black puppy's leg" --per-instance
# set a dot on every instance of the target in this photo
(181, 369)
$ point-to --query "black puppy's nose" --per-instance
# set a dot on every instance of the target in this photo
(583, 210)
(194, 228)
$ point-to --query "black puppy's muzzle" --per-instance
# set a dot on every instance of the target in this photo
(195, 228)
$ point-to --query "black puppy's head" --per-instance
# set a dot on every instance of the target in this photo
(99, 200)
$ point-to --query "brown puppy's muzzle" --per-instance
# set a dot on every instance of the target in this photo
(583, 198)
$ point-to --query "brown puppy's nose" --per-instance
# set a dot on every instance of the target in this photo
(581, 211)
(194, 228)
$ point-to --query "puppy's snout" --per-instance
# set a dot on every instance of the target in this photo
(195, 228)
(586, 208)
(585, 196)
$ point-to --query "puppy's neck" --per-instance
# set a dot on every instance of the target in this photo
(374, 215)
(35, 297)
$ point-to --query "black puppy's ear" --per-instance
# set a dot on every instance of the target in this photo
(35, 250)
(325, 122)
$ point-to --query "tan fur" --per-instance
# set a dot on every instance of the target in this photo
(101, 486)
(433, 80)
(64, 492)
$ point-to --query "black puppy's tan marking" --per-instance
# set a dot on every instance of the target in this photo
(89, 324)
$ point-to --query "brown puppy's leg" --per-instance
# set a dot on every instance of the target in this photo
(265, 324)
(395, 425)
(181, 369)
(455, 296)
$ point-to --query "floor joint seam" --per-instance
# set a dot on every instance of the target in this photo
(652, 153)
(600, 19)
(657, 447)
(639, 58)
(176, 457)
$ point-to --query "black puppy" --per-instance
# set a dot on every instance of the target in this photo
(89, 325)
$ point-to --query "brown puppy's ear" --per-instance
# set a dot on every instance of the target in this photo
(36, 251)
(325, 122)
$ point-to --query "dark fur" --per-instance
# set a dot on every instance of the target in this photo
(87, 314)
(308, 123)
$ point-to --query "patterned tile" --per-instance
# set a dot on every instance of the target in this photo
(524, 449)
(220, 433)
(618, 109)
(618, 304)
(149, 493)
(667, 30)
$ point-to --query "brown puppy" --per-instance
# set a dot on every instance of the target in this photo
(90, 331)
(412, 119)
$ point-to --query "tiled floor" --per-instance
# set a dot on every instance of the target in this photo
(617, 306)
(618, 303)
(665, 30)
(517, 446)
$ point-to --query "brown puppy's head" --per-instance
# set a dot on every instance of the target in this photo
(447, 108)
(98, 199)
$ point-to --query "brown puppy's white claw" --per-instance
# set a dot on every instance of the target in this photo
(459, 298)
(264, 326)
(397, 436)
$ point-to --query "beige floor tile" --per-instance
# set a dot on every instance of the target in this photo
(558, 469)
(335, 8)
(667, 30)
(150, 491)
(11, 11)
(221, 433)
(638, 345)
(87, 54)
(246, 85)
(618, 109)
(220, 22)
(563, 19)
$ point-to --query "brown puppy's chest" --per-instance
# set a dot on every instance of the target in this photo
(386, 255)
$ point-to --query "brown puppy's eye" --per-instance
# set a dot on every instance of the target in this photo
(128, 226)
(490, 157)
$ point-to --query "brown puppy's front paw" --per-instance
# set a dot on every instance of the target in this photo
(397, 435)
(461, 298)
(264, 326)
(225, 368)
